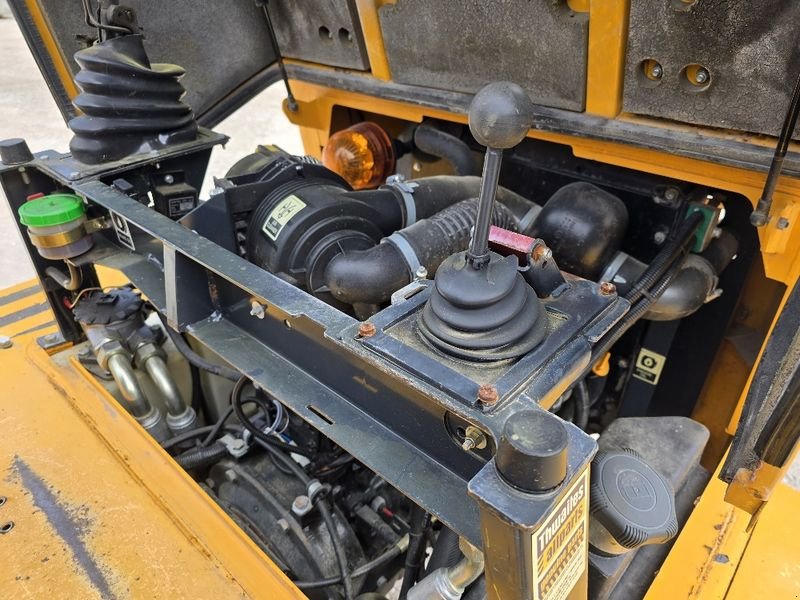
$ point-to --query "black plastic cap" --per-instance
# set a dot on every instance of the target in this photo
(532, 454)
(631, 504)
(500, 115)
(15, 151)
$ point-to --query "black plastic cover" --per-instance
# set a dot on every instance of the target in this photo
(633, 504)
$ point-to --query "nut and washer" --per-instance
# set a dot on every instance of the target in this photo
(474, 439)
(607, 288)
(366, 329)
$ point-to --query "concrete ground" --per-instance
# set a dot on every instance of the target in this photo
(28, 110)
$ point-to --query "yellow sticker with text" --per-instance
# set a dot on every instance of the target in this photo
(561, 544)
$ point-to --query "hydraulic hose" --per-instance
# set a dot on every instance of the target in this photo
(201, 457)
(416, 549)
(443, 145)
(446, 552)
(582, 402)
(371, 276)
(162, 378)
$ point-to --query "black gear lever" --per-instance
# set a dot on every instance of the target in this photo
(499, 118)
(480, 307)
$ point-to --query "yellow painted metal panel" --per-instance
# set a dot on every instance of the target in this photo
(770, 568)
(608, 34)
(99, 510)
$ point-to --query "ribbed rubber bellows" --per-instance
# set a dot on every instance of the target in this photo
(129, 105)
(484, 314)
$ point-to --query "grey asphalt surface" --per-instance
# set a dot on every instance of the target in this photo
(28, 110)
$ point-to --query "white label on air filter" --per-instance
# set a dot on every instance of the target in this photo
(560, 545)
(281, 215)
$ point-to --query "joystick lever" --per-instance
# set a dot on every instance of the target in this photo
(499, 118)
(480, 307)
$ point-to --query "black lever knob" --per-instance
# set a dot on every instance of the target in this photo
(499, 117)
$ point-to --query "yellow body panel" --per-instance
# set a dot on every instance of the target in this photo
(99, 510)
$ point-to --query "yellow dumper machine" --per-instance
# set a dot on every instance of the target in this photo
(523, 323)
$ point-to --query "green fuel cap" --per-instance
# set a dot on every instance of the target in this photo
(55, 209)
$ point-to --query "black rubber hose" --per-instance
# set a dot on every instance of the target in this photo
(393, 551)
(446, 551)
(371, 276)
(196, 433)
(420, 520)
(443, 145)
(197, 360)
(582, 402)
(664, 260)
(201, 456)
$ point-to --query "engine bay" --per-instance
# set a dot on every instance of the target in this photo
(439, 358)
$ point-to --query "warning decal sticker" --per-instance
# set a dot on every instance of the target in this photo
(560, 545)
(281, 215)
(649, 365)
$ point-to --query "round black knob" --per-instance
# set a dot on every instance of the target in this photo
(532, 454)
(500, 115)
(632, 505)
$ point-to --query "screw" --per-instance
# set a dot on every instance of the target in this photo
(366, 329)
(169, 179)
(656, 71)
(672, 194)
(541, 253)
(659, 237)
(607, 288)
(5, 342)
(421, 273)
(473, 438)
(701, 76)
(257, 309)
(782, 223)
(487, 395)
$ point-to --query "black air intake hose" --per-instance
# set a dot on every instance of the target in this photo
(129, 105)
(370, 276)
(443, 145)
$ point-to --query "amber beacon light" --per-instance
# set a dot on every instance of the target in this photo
(361, 154)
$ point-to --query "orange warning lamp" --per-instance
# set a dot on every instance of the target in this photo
(362, 154)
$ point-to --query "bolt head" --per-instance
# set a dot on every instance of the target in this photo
(366, 329)
(671, 194)
(607, 288)
(701, 76)
(541, 253)
(659, 237)
(5, 342)
(421, 273)
(656, 72)
(169, 179)
(783, 223)
(487, 395)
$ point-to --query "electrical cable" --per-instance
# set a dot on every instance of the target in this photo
(582, 402)
(195, 433)
(197, 360)
(341, 557)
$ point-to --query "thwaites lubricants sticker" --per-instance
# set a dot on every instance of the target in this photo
(560, 545)
(648, 366)
(280, 216)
